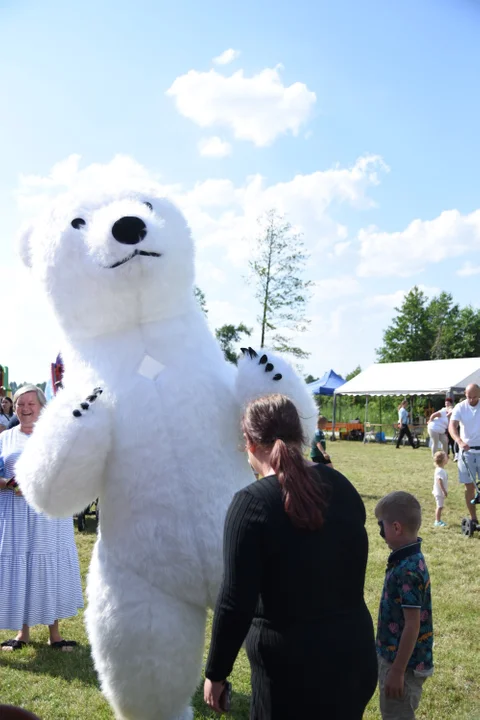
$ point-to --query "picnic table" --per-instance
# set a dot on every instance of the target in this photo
(347, 430)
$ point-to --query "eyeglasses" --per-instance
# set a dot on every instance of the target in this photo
(382, 529)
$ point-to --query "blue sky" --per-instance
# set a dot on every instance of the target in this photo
(394, 82)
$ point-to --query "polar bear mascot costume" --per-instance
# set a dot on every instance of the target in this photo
(149, 423)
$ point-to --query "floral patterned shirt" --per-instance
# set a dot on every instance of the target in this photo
(407, 585)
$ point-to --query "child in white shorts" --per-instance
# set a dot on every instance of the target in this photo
(440, 485)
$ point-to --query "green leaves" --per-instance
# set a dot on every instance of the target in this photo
(431, 330)
(200, 296)
(229, 334)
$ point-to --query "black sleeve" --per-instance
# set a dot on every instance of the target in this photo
(242, 560)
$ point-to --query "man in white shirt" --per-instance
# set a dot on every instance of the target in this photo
(467, 415)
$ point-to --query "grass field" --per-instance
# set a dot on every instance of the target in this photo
(60, 686)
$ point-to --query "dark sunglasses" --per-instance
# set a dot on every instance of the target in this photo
(382, 529)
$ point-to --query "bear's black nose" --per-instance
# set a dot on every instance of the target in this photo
(129, 230)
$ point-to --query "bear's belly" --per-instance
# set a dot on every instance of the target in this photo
(165, 499)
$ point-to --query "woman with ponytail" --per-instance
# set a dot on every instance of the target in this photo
(295, 555)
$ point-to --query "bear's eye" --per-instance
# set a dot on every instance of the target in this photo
(149, 205)
(78, 223)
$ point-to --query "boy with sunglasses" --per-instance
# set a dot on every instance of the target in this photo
(405, 631)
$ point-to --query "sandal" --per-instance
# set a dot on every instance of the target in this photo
(10, 645)
(63, 645)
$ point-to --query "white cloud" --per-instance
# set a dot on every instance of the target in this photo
(226, 57)
(257, 108)
(223, 217)
(468, 269)
(62, 173)
(389, 301)
(336, 287)
(340, 248)
(214, 147)
(32, 190)
(423, 242)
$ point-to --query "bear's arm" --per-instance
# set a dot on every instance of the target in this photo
(61, 468)
(264, 373)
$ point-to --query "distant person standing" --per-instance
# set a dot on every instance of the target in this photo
(467, 415)
(403, 425)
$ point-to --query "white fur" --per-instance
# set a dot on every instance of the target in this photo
(163, 455)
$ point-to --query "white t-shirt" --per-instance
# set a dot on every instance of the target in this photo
(403, 416)
(469, 419)
(439, 424)
(440, 474)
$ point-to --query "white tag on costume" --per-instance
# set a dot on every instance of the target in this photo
(150, 368)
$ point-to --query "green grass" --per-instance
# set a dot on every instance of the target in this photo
(60, 686)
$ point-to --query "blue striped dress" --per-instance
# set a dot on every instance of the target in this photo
(39, 570)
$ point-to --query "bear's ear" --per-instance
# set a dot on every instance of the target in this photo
(23, 244)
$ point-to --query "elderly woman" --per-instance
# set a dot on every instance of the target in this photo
(39, 570)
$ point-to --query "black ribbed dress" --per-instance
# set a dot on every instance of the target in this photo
(297, 597)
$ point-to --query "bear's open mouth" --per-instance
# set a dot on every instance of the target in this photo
(144, 253)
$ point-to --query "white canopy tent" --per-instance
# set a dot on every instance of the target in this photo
(425, 377)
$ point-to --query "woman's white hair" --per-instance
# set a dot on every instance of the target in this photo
(30, 388)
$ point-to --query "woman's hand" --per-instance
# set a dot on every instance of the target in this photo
(212, 692)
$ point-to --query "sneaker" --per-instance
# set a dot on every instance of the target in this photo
(439, 523)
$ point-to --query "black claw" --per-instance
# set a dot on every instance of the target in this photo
(252, 353)
(77, 413)
(244, 350)
(97, 391)
(263, 360)
(84, 405)
(278, 376)
(268, 367)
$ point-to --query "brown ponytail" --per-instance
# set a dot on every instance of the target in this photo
(274, 421)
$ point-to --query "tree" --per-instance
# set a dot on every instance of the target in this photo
(354, 373)
(433, 330)
(200, 296)
(466, 342)
(310, 379)
(443, 316)
(280, 289)
(229, 334)
(410, 336)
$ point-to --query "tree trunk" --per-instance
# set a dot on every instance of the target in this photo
(265, 299)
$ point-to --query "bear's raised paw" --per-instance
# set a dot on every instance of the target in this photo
(269, 367)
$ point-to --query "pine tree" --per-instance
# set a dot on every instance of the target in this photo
(410, 336)
(443, 320)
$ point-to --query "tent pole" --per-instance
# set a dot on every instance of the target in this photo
(333, 418)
